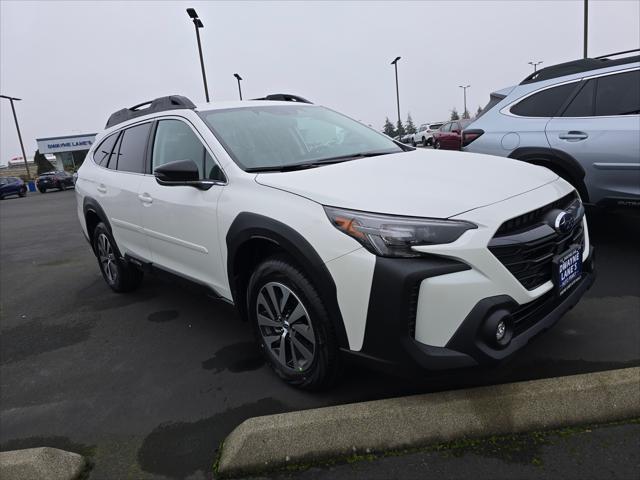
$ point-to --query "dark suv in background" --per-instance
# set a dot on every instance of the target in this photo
(57, 180)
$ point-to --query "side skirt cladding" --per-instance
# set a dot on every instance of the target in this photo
(251, 229)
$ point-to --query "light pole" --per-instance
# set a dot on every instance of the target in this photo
(395, 63)
(535, 65)
(238, 77)
(15, 118)
(465, 114)
(198, 24)
(586, 25)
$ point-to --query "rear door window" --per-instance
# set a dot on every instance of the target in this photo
(132, 150)
(618, 94)
(583, 103)
(546, 103)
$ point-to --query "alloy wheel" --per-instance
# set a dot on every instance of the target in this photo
(285, 327)
(107, 258)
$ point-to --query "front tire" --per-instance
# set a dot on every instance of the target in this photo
(437, 145)
(42, 190)
(117, 272)
(292, 326)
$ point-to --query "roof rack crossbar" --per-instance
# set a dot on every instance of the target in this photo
(160, 104)
(284, 97)
(617, 53)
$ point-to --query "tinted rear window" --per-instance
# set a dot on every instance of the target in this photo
(131, 155)
(102, 154)
(545, 103)
(618, 94)
(582, 104)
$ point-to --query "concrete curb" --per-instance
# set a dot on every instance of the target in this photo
(41, 463)
(274, 441)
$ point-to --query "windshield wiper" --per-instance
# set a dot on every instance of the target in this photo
(315, 163)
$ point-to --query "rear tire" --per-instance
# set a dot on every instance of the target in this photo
(292, 326)
(424, 142)
(42, 190)
(120, 275)
(22, 193)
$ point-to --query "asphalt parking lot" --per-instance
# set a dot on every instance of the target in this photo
(148, 384)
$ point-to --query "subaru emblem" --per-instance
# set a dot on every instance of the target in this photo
(564, 222)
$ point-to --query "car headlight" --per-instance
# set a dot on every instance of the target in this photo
(393, 236)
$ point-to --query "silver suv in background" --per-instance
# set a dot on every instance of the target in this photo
(580, 119)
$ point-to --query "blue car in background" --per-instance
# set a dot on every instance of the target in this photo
(12, 186)
(580, 119)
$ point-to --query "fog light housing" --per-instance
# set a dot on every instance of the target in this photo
(497, 329)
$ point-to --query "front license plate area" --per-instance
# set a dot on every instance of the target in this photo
(567, 269)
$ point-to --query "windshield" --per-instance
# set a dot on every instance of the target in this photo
(281, 136)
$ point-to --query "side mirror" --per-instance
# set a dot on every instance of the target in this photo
(181, 173)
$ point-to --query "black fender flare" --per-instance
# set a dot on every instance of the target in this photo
(550, 157)
(90, 204)
(249, 226)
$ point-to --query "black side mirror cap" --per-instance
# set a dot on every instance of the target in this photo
(181, 173)
(178, 171)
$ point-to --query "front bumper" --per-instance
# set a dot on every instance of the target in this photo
(390, 335)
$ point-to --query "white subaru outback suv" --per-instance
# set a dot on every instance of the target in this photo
(330, 238)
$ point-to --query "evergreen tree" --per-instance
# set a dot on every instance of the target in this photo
(454, 114)
(388, 128)
(400, 130)
(466, 114)
(410, 128)
(479, 111)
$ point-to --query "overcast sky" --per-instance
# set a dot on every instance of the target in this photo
(73, 63)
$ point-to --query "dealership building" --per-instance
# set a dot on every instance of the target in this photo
(68, 150)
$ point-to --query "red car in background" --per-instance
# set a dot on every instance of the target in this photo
(449, 135)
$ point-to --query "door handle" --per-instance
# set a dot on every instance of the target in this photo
(573, 135)
(145, 198)
(101, 188)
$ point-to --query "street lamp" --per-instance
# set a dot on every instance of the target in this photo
(197, 23)
(15, 118)
(238, 77)
(465, 114)
(395, 64)
(535, 65)
(586, 26)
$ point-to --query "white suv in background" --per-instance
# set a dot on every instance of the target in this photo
(424, 135)
(330, 238)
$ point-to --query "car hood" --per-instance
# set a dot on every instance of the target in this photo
(421, 183)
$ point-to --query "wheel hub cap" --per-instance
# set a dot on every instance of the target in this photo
(285, 327)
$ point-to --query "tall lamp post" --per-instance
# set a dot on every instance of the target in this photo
(535, 65)
(238, 77)
(197, 23)
(586, 26)
(15, 118)
(465, 113)
(395, 64)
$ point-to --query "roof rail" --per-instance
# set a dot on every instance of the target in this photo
(578, 66)
(285, 97)
(171, 102)
(618, 53)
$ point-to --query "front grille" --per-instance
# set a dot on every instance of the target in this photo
(535, 217)
(526, 247)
